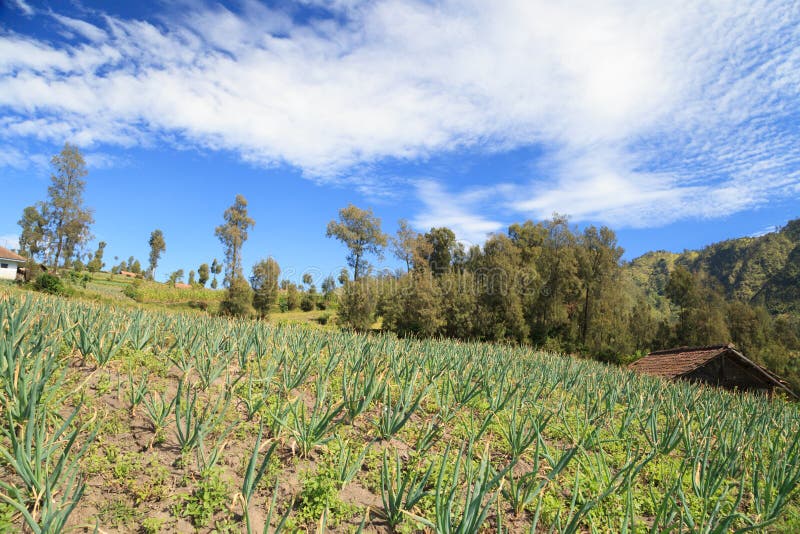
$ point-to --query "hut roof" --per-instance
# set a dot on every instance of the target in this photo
(674, 363)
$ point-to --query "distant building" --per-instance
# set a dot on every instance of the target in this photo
(716, 365)
(9, 263)
(128, 274)
(181, 285)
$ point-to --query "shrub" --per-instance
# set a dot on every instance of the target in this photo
(307, 303)
(48, 283)
(238, 299)
(292, 297)
(198, 305)
(132, 290)
(358, 303)
(77, 278)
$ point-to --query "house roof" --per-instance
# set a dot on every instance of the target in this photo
(6, 254)
(674, 363)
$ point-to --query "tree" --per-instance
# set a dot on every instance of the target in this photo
(191, 278)
(69, 220)
(97, 261)
(34, 230)
(202, 274)
(328, 285)
(361, 232)
(443, 244)
(176, 276)
(292, 297)
(157, 247)
(404, 243)
(216, 268)
(232, 235)
(598, 261)
(415, 308)
(264, 282)
(308, 279)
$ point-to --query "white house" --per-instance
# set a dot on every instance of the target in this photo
(9, 263)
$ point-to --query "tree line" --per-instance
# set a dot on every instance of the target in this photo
(543, 283)
(550, 285)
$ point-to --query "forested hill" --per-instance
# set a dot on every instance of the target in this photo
(762, 270)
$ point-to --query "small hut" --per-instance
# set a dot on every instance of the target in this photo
(716, 365)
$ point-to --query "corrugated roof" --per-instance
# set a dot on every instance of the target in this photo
(6, 254)
(673, 363)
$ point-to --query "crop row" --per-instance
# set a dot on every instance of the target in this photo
(445, 436)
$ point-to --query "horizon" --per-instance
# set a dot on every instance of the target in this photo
(676, 129)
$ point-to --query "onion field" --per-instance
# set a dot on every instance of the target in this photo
(138, 421)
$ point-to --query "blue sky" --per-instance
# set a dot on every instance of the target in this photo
(674, 123)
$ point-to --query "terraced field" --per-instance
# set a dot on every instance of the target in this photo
(130, 420)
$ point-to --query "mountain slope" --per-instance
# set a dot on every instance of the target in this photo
(761, 270)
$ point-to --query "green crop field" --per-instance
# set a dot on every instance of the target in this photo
(128, 420)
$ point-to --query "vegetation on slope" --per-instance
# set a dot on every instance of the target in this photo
(167, 416)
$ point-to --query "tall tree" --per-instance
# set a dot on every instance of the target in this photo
(32, 238)
(404, 243)
(233, 234)
(202, 274)
(598, 261)
(264, 282)
(157, 247)
(69, 219)
(443, 244)
(361, 232)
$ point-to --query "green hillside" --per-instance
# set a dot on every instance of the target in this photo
(762, 270)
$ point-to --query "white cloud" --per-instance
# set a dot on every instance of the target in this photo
(23, 6)
(83, 28)
(649, 111)
(455, 211)
(21, 159)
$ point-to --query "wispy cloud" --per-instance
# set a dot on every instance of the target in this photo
(81, 27)
(22, 6)
(649, 112)
(459, 212)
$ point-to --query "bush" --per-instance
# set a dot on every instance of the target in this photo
(358, 304)
(132, 291)
(238, 299)
(78, 279)
(198, 305)
(292, 297)
(307, 303)
(48, 283)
